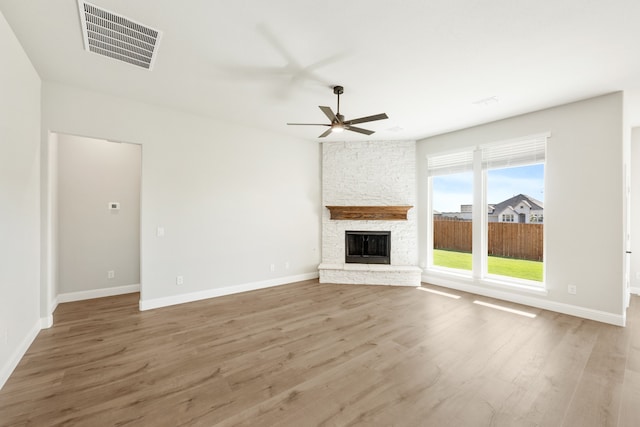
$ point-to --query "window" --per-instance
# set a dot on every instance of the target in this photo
(452, 210)
(501, 206)
(536, 218)
(514, 176)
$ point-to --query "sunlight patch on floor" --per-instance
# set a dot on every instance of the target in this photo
(444, 294)
(509, 310)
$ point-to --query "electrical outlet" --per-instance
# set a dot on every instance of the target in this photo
(572, 289)
(111, 274)
(286, 265)
(179, 280)
(638, 275)
(272, 267)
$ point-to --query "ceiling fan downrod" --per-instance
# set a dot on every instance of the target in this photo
(338, 90)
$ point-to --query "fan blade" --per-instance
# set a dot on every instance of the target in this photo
(367, 119)
(308, 124)
(329, 113)
(359, 130)
(327, 132)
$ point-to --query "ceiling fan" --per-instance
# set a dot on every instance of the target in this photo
(338, 123)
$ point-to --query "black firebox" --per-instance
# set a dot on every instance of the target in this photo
(368, 247)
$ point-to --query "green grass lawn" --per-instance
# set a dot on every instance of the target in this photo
(522, 269)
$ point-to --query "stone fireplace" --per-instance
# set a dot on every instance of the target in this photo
(369, 188)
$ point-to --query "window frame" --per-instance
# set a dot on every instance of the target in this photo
(448, 163)
(480, 220)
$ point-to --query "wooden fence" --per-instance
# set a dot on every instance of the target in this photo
(521, 241)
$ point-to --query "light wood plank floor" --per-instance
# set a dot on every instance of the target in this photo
(308, 354)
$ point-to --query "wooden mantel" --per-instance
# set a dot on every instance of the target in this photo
(385, 213)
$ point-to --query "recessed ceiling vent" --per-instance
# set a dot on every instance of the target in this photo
(117, 37)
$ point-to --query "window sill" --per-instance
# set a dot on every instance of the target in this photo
(531, 287)
(451, 272)
(525, 286)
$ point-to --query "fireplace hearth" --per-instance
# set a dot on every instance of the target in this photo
(368, 247)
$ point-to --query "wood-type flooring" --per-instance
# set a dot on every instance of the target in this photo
(310, 354)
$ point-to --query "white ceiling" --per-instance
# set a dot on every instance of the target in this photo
(426, 63)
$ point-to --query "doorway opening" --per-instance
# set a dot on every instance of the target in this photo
(93, 216)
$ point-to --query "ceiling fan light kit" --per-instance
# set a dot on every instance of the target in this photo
(338, 123)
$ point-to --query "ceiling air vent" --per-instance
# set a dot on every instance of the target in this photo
(117, 37)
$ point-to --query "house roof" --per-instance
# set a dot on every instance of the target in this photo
(515, 201)
(433, 67)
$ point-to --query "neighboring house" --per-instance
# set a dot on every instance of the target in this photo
(518, 209)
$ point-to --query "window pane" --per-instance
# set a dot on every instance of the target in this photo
(516, 221)
(452, 199)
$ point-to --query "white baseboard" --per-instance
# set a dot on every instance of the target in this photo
(7, 369)
(46, 322)
(54, 305)
(219, 292)
(634, 290)
(572, 310)
(97, 293)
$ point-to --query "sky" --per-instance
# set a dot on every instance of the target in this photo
(451, 191)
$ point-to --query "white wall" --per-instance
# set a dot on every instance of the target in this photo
(635, 210)
(19, 202)
(49, 226)
(92, 239)
(584, 166)
(232, 200)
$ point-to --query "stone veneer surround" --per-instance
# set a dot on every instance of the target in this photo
(370, 174)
